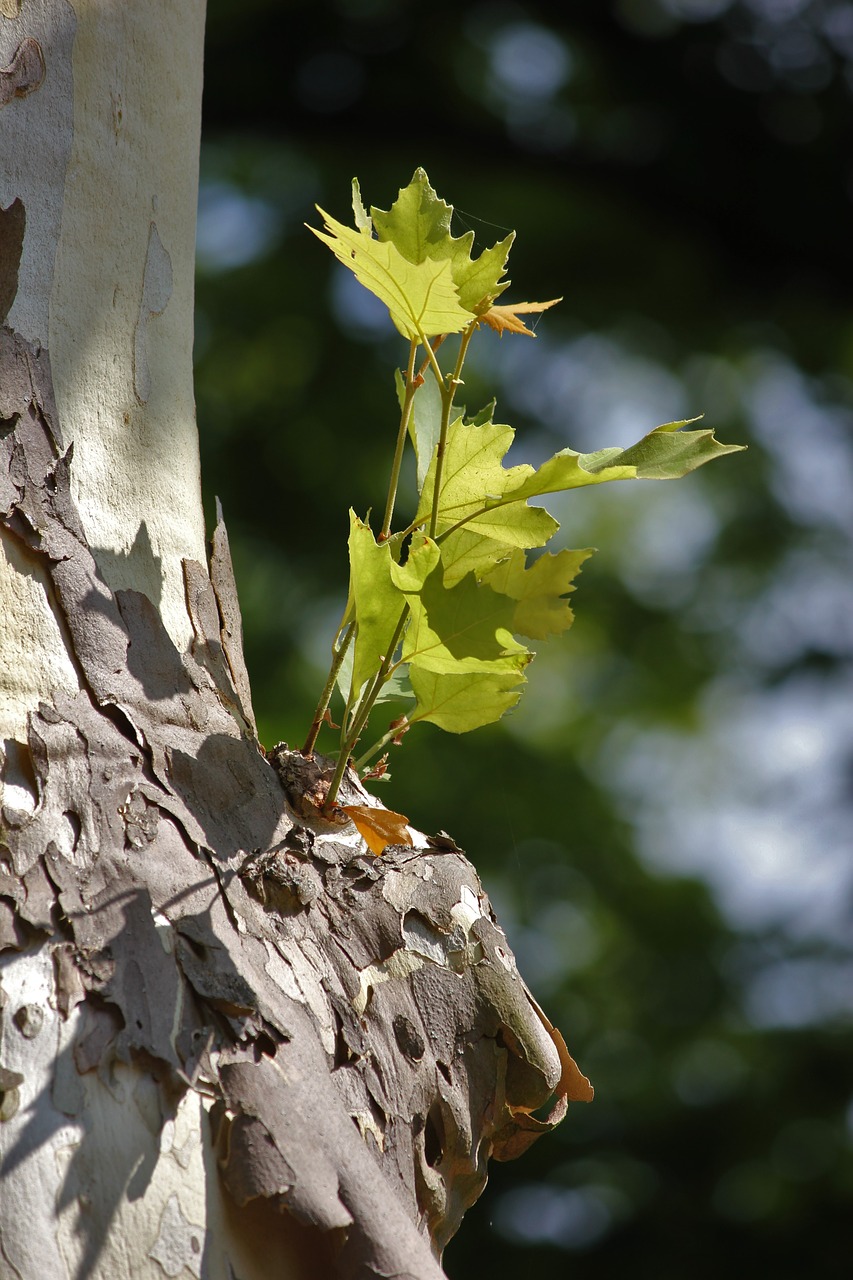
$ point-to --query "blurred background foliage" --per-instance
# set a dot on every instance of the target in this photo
(664, 823)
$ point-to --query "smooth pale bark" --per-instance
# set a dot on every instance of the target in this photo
(99, 136)
(102, 149)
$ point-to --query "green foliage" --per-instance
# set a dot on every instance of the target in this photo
(433, 610)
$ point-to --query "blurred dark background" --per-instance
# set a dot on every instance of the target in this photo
(664, 824)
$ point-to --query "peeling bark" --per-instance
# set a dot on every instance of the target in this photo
(357, 1023)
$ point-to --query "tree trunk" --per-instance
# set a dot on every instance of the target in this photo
(232, 1041)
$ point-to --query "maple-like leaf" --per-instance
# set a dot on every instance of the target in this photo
(422, 560)
(378, 827)
(418, 224)
(421, 298)
(468, 551)
(397, 688)
(465, 629)
(505, 319)
(667, 453)
(539, 589)
(474, 480)
(459, 703)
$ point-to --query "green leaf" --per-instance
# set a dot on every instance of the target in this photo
(473, 474)
(377, 601)
(478, 279)
(421, 298)
(398, 686)
(423, 559)
(467, 551)
(539, 589)
(425, 425)
(459, 703)
(482, 417)
(467, 628)
(667, 453)
(344, 677)
(418, 224)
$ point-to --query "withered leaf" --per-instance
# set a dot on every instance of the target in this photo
(505, 319)
(378, 827)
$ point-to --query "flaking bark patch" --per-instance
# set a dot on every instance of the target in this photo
(359, 1020)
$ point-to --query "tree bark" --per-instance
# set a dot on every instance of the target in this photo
(233, 1043)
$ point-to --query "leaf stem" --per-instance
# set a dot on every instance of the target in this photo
(412, 385)
(377, 746)
(364, 709)
(474, 515)
(447, 388)
(338, 656)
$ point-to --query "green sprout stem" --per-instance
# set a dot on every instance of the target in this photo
(447, 388)
(412, 384)
(379, 744)
(338, 655)
(363, 710)
(354, 721)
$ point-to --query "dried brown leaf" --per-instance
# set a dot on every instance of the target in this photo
(378, 827)
(378, 770)
(505, 319)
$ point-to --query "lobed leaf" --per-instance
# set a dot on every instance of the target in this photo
(421, 298)
(505, 319)
(539, 589)
(467, 628)
(424, 422)
(418, 224)
(459, 703)
(668, 452)
(473, 475)
(362, 217)
(398, 687)
(468, 551)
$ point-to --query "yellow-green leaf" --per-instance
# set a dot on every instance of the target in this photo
(468, 551)
(472, 476)
(421, 298)
(465, 629)
(418, 224)
(540, 590)
(667, 453)
(459, 703)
